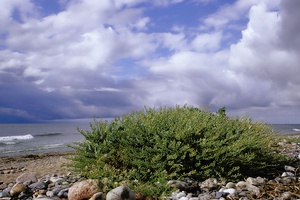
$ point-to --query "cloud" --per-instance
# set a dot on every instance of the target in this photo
(271, 64)
(232, 13)
(94, 58)
(74, 39)
(56, 64)
(207, 41)
(290, 27)
(31, 102)
(166, 2)
(256, 73)
(20, 10)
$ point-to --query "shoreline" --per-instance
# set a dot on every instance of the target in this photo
(42, 164)
(36, 155)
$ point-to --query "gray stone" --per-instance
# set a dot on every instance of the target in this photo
(174, 194)
(181, 185)
(230, 185)
(55, 191)
(218, 195)
(286, 196)
(38, 185)
(241, 185)
(42, 197)
(260, 180)
(97, 196)
(209, 184)
(289, 168)
(63, 193)
(230, 191)
(27, 178)
(23, 195)
(251, 181)
(287, 174)
(184, 198)
(120, 193)
(8, 189)
(288, 180)
(4, 194)
(50, 194)
(204, 196)
(180, 194)
(253, 189)
(55, 179)
(242, 194)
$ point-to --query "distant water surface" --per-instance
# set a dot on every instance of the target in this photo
(287, 128)
(24, 139)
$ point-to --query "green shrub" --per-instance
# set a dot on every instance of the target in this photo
(149, 147)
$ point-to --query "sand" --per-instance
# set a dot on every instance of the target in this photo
(42, 164)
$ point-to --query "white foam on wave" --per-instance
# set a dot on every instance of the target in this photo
(16, 137)
(296, 129)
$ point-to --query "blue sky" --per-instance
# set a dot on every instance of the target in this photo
(68, 60)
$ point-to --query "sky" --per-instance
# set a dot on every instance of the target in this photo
(70, 60)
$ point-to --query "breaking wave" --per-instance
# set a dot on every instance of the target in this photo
(15, 138)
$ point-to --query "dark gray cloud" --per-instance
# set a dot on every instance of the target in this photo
(290, 26)
(25, 101)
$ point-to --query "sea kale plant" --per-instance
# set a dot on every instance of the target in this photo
(147, 148)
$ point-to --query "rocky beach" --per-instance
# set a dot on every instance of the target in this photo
(44, 176)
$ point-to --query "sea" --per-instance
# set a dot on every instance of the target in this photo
(26, 139)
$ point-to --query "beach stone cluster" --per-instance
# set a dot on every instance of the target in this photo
(284, 185)
(52, 187)
(280, 188)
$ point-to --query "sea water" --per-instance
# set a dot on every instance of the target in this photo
(287, 128)
(24, 139)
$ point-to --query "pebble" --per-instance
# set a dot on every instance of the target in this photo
(287, 174)
(241, 185)
(38, 185)
(230, 185)
(289, 168)
(230, 191)
(97, 196)
(120, 193)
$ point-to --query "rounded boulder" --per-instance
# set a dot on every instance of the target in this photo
(83, 190)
